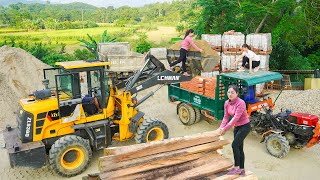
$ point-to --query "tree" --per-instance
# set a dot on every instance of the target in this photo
(92, 44)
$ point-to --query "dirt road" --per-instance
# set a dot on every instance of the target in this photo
(299, 164)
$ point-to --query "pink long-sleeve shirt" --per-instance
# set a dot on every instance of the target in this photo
(187, 42)
(237, 109)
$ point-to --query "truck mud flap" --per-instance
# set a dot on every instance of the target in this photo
(31, 154)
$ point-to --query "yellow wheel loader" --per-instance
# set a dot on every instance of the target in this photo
(62, 124)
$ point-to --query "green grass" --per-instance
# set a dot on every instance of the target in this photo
(11, 30)
(157, 35)
(69, 37)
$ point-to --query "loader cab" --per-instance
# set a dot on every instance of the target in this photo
(76, 81)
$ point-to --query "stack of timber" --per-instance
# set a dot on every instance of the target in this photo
(188, 157)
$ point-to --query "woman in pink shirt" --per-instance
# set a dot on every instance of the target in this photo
(186, 43)
(236, 108)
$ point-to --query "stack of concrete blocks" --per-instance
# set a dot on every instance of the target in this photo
(260, 43)
(227, 61)
(231, 50)
(214, 40)
(210, 74)
(120, 56)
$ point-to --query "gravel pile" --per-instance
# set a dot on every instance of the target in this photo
(298, 101)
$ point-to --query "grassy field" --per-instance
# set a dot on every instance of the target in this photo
(70, 36)
(159, 36)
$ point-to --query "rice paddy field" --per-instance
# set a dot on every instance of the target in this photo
(159, 36)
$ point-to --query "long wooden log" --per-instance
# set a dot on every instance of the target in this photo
(196, 139)
(217, 165)
(141, 150)
(173, 170)
(150, 166)
(112, 162)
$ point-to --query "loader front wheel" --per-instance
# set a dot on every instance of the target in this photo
(187, 114)
(70, 155)
(151, 130)
(277, 145)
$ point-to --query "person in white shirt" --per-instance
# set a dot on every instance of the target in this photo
(249, 59)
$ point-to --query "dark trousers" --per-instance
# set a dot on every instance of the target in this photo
(240, 133)
(245, 63)
(183, 58)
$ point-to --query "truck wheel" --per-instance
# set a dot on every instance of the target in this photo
(187, 115)
(277, 145)
(70, 155)
(198, 115)
(151, 130)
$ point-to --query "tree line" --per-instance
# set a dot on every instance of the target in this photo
(79, 15)
(294, 24)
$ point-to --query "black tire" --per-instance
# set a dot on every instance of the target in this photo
(198, 115)
(277, 145)
(70, 148)
(187, 114)
(151, 130)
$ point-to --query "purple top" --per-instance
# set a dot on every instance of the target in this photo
(237, 109)
(187, 42)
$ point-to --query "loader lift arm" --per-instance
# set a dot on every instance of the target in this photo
(155, 74)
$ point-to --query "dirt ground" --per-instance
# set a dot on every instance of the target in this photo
(299, 164)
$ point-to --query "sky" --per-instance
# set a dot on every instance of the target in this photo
(114, 3)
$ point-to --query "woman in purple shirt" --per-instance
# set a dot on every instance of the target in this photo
(236, 108)
(186, 43)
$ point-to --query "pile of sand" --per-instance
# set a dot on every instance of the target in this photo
(202, 44)
(20, 74)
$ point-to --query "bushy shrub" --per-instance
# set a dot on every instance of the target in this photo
(143, 47)
(51, 59)
(83, 54)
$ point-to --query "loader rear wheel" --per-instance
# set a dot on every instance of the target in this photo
(70, 155)
(151, 130)
(277, 145)
(187, 114)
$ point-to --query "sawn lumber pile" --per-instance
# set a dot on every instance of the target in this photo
(188, 157)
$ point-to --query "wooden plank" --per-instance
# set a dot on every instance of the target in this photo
(162, 146)
(151, 165)
(114, 164)
(173, 170)
(216, 165)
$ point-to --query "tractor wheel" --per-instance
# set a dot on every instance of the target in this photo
(70, 155)
(187, 114)
(277, 145)
(151, 130)
(198, 115)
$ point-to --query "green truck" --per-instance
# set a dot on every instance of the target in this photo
(191, 105)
